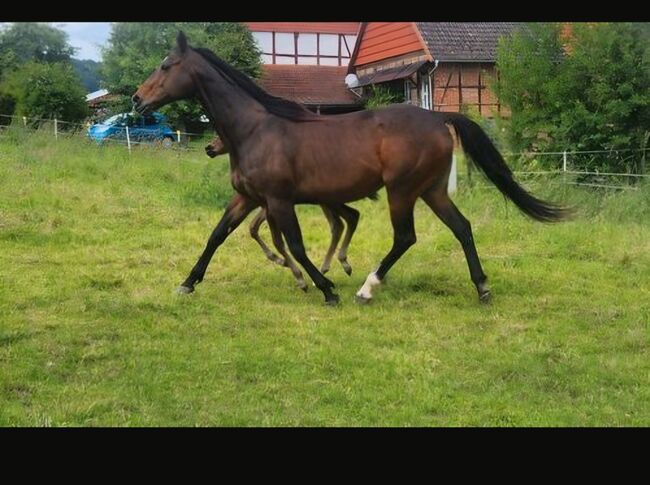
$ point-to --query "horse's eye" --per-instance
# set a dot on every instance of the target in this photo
(164, 67)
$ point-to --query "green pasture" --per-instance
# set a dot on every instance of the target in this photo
(94, 241)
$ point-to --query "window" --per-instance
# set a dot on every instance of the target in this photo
(285, 59)
(305, 48)
(308, 44)
(285, 43)
(264, 41)
(311, 60)
(425, 95)
(329, 45)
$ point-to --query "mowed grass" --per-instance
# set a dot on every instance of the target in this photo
(94, 241)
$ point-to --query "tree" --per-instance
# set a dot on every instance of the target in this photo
(88, 72)
(588, 91)
(35, 73)
(135, 50)
(21, 42)
(43, 90)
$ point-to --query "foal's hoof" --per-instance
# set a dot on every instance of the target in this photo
(485, 297)
(324, 270)
(346, 267)
(332, 300)
(362, 300)
(303, 286)
(184, 290)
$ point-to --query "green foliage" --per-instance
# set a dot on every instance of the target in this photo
(135, 50)
(36, 77)
(589, 92)
(21, 42)
(88, 72)
(43, 90)
(380, 95)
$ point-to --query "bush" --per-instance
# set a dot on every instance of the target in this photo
(42, 90)
(584, 92)
(381, 96)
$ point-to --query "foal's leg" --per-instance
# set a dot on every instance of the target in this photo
(290, 263)
(351, 216)
(445, 209)
(401, 216)
(336, 228)
(255, 234)
(283, 213)
(238, 208)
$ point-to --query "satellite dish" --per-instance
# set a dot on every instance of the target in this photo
(351, 80)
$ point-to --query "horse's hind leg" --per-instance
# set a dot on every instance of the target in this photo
(401, 216)
(290, 263)
(448, 213)
(255, 234)
(336, 228)
(351, 216)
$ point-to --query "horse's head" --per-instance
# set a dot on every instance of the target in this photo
(171, 81)
(216, 147)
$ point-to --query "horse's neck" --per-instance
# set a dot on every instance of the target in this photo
(234, 113)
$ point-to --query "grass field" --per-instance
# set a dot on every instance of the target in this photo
(94, 241)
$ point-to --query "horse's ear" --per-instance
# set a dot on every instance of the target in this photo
(181, 40)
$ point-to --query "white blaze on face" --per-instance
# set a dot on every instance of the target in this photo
(366, 290)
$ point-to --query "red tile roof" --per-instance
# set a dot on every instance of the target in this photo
(381, 40)
(311, 85)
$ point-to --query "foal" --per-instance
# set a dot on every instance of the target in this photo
(334, 214)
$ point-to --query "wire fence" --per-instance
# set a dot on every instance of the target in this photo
(128, 136)
(567, 163)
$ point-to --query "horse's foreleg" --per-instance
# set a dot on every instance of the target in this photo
(238, 208)
(283, 214)
(336, 229)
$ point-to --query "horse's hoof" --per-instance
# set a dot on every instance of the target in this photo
(485, 297)
(362, 300)
(184, 290)
(324, 270)
(303, 286)
(333, 300)
(346, 266)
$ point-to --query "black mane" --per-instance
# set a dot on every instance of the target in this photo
(275, 105)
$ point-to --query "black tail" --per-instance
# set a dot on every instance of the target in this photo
(482, 151)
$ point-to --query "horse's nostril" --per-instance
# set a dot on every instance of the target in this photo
(135, 99)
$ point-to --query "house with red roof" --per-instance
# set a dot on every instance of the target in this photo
(307, 62)
(441, 66)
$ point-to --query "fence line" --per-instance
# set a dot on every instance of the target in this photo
(62, 128)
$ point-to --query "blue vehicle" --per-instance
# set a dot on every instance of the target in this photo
(149, 128)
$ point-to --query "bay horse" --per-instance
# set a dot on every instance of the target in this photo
(334, 214)
(281, 154)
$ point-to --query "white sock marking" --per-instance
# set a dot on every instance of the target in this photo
(366, 289)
